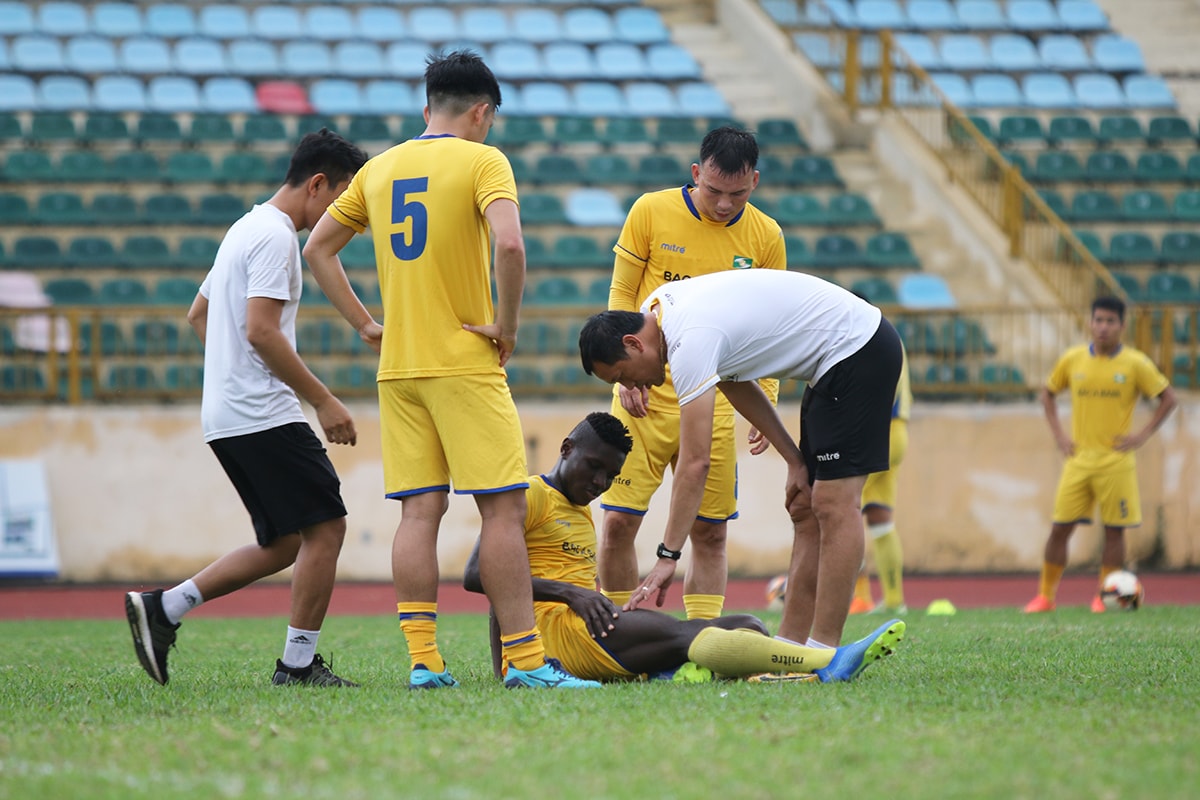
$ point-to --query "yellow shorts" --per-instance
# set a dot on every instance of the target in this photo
(566, 637)
(880, 488)
(461, 430)
(1080, 488)
(655, 445)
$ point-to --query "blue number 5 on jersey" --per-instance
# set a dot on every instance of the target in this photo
(403, 209)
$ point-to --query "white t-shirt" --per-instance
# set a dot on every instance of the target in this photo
(259, 257)
(760, 323)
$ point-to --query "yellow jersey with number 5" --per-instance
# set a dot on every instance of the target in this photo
(424, 201)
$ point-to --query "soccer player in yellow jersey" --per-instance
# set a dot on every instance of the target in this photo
(673, 235)
(446, 414)
(1105, 379)
(878, 504)
(592, 637)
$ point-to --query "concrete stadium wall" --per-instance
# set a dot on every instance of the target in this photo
(137, 496)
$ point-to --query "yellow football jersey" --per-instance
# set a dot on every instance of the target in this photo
(424, 201)
(1104, 391)
(666, 238)
(560, 536)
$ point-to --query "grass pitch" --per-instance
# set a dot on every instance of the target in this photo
(984, 704)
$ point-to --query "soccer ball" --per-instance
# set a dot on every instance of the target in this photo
(1122, 591)
(776, 590)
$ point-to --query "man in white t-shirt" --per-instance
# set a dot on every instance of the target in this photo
(245, 315)
(727, 330)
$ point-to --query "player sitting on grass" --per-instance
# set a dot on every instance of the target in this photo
(588, 633)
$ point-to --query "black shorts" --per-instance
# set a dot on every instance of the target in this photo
(846, 420)
(284, 477)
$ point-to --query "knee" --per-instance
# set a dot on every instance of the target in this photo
(801, 509)
(831, 510)
(707, 536)
(620, 529)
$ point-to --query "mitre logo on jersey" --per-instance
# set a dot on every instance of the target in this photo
(673, 248)
(1119, 378)
(743, 262)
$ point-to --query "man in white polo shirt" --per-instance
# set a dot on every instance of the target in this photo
(728, 330)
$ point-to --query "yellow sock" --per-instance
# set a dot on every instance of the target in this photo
(862, 588)
(418, 622)
(619, 598)
(703, 606)
(1051, 577)
(524, 650)
(744, 652)
(1106, 570)
(889, 560)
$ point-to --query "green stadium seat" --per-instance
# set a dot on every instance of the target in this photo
(311, 295)
(835, 251)
(800, 209)
(1129, 284)
(521, 170)
(211, 128)
(1145, 206)
(369, 128)
(1180, 247)
(1108, 166)
(113, 209)
(36, 252)
(1186, 206)
(131, 378)
(546, 336)
(850, 209)
(1018, 160)
(167, 209)
(1093, 243)
(525, 376)
(245, 167)
(28, 165)
(1003, 382)
(779, 133)
(184, 377)
(798, 254)
(677, 130)
(190, 166)
(156, 337)
(542, 209)
(1120, 129)
(14, 209)
(52, 126)
(175, 291)
(580, 252)
(1157, 167)
(135, 165)
(1094, 206)
(878, 291)
(106, 339)
(773, 171)
(575, 130)
(123, 292)
(948, 373)
(1053, 166)
(891, 250)
(22, 378)
(145, 252)
(359, 253)
(814, 171)
(554, 291)
(958, 131)
(82, 165)
(10, 127)
(1020, 129)
(537, 255)
(1191, 172)
(1071, 130)
(918, 336)
(220, 209)
(1169, 287)
(61, 208)
(91, 252)
(69, 291)
(662, 170)
(1055, 201)
(598, 291)
(964, 337)
(415, 126)
(103, 126)
(354, 377)
(158, 127)
(321, 337)
(1169, 129)
(609, 168)
(624, 130)
(197, 252)
(518, 132)
(264, 128)
(1131, 247)
(556, 169)
(312, 123)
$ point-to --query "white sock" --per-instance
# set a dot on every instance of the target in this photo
(300, 648)
(786, 640)
(180, 600)
(813, 643)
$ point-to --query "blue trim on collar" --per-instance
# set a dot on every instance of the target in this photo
(1113, 354)
(687, 198)
(436, 136)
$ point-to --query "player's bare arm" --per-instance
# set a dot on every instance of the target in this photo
(1167, 401)
(321, 251)
(1050, 408)
(197, 316)
(504, 218)
(752, 403)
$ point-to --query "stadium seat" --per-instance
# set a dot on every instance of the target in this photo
(170, 20)
(48, 126)
(406, 60)
(1020, 128)
(774, 132)
(878, 291)
(145, 55)
(835, 251)
(91, 252)
(1158, 167)
(554, 168)
(211, 128)
(624, 130)
(1108, 166)
(359, 60)
(1129, 284)
(542, 209)
(580, 252)
(850, 209)
(61, 208)
(570, 61)
(336, 96)
(517, 61)
(167, 209)
(135, 165)
(37, 53)
(1131, 247)
(1092, 243)
(276, 22)
(113, 209)
(1180, 247)
(670, 62)
(1071, 129)
(28, 165)
(82, 166)
(432, 24)
(145, 252)
(981, 15)
(1082, 16)
(621, 61)
(392, 97)
(1170, 129)
(1048, 90)
(812, 171)
(63, 19)
(118, 93)
(965, 53)
(1099, 91)
(639, 25)
(242, 166)
(155, 337)
(197, 252)
(70, 291)
(90, 55)
(224, 21)
(956, 88)
(253, 57)
(702, 99)
(1094, 206)
(282, 97)
(17, 93)
(1148, 91)
(1186, 206)
(198, 55)
(1033, 15)
(64, 93)
(594, 207)
(920, 48)
(14, 209)
(1064, 53)
(609, 168)
(117, 20)
(105, 339)
(923, 290)
(16, 18)
(130, 378)
(173, 93)
(587, 25)
(542, 98)
(890, 250)
(189, 166)
(220, 209)
(993, 90)
(369, 128)
(1116, 54)
(305, 58)
(229, 96)
(1122, 128)
(486, 25)
(1169, 287)
(376, 23)
(799, 209)
(555, 291)
(1011, 53)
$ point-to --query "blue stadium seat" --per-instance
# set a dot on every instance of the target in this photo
(406, 60)
(516, 61)
(328, 23)
(336, 96)
(1033, 15)
(569, 61)
(785, 13)
(432, 24)
(305, 58)
(512, 97)
(393, 97)
(701, 99)
(224, 21)
(1114, 53)
(486, 25)
(670, 62)
(1099, 91)
(1011, 53)
(933, 15)
(356, 59)
(587, 25)
(170, 20)
(1148, 91)
(118, 93)
(880, 15)
(1048, 90)
(64, 93)
(924, 290)
(543, 98)
(229, 95)
(921, 49)
(642, 98)
(145, 55)
(599, 98)
(956, 88)
(63, 19)
(253, 57)
(377, 23)
(981, 15)
(639, 25)
(1082, 16)
(16, 19)
(5, 63)
(964, 53)
(594, 207)
(276, 23)
(621, 61)
(173, 93)
(117, 20)
(1060, 52)
(996, 91)
(35, 52)
(538, 25)
(197, 55)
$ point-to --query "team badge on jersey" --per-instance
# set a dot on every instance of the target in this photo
(742, 262)
(1119, 378)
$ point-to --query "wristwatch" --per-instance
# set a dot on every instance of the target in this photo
(663, 552)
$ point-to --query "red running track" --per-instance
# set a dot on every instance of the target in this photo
(69, 601)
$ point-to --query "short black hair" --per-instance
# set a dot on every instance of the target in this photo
(1110, 303)
(324, 152)
(600, 337)
(457, 80)
(609, 429)
(731, 150)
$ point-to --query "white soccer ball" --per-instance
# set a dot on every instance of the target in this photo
(1122, 591)
(776, 591)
